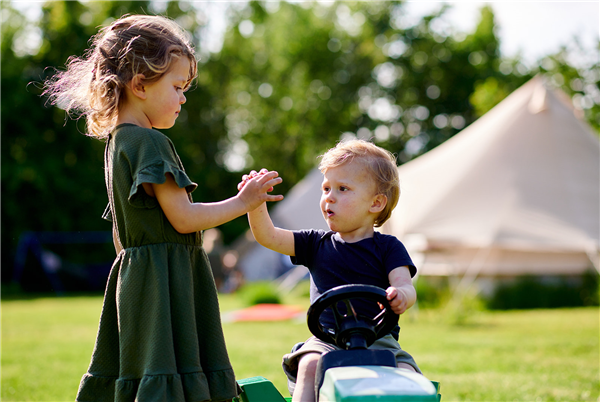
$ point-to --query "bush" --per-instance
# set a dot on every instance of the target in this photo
(464, 307)
(432, 292)
(532, 292)
(260, 292)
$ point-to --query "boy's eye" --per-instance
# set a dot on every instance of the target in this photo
(325, 189)
(343, 188)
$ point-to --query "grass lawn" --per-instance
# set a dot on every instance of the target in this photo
(527, 355)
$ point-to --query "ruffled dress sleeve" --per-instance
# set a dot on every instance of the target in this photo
(150, 161)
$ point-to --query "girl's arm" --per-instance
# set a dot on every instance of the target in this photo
(266, 234)
(116, 242)
(187, 217)
(401, 294)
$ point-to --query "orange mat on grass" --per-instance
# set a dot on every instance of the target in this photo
(265, 312)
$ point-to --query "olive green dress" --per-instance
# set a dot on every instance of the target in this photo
(160, 335)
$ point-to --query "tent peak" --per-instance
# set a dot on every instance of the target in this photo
(539, 98)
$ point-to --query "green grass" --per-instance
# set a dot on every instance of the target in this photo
(46, 346)
(495, 356)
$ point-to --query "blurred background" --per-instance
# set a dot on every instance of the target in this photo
(279, 83)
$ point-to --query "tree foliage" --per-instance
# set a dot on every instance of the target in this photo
(347, 69)
(52, 175)
(290, 80)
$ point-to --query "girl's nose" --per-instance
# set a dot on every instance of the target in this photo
(182, 99)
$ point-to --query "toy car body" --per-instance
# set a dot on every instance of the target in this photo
(354, 374)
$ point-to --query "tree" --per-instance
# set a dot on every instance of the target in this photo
(290, 81)
(431, 73)
(313, 74)
(287, 81)
(52, 175)
(581, 82)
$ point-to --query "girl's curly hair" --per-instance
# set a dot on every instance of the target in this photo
(92, 85)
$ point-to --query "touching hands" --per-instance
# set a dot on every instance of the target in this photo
(255, 186)
(251, 175)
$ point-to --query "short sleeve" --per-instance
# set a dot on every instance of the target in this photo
(397, 256)
(305, 245)
(150, 162)
(156, 174)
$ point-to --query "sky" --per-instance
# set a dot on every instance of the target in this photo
(532, 28)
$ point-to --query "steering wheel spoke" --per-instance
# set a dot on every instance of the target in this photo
(351, 324)
(379, 316)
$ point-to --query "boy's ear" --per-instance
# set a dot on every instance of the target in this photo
(379, 203)
(136, 85)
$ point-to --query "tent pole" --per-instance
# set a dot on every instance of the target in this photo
(471, 273)
(594, 258)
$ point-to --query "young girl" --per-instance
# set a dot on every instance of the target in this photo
(160, 335)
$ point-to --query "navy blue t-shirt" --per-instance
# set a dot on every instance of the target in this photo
(333, 262)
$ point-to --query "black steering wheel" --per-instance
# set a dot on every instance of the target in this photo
(352, 330)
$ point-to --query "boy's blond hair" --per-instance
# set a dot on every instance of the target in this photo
(380, 163)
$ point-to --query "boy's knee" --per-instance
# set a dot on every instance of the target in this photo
(406, 366)
(308, 363)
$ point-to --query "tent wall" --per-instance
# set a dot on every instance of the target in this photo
(522, 182)
(504, 263)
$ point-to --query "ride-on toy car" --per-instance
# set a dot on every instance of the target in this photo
(355, 373)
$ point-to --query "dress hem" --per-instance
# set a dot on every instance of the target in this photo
(189, 387)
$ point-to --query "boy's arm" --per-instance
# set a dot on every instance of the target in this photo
(266, 234)
(401, 294)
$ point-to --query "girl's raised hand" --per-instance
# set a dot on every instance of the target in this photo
(251, 175)
(254, 188)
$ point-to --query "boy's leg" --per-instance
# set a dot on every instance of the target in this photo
(403, 359)
(406, 366)
(305, 384)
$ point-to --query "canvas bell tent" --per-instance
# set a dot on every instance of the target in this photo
(515, 193)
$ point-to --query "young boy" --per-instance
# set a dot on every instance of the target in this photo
(360, 190)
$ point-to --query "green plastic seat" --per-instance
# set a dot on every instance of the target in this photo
(258, 389)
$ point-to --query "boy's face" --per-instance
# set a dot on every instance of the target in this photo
(348, 200)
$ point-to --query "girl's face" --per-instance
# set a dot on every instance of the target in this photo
(347, 199)
(165, 96)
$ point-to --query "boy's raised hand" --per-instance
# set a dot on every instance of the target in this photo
(254, 188)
